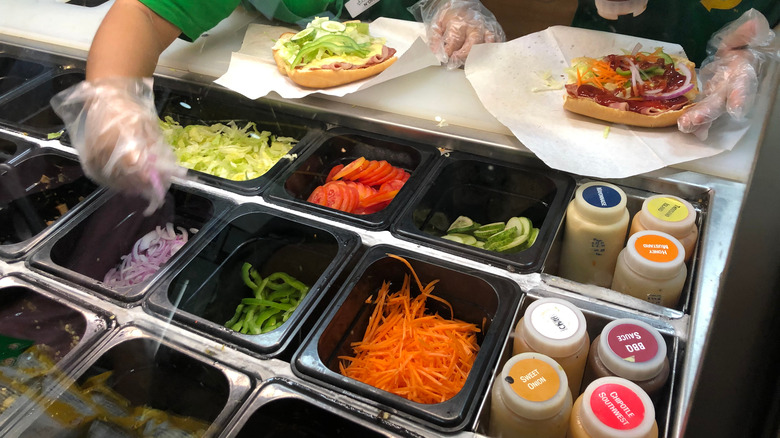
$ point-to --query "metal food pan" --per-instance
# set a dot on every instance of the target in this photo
(488, 191)
(135, 376)
(638, 189)
(597, 316)
(39, 191)
(475, 296)
(204, 293)
(31, 111)
(195, 105)
(85, 250)
(342, 146)
(282, 408)
(57, 329)
(11, 147)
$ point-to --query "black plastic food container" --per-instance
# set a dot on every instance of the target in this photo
(16, 72)
(488, 191)
(138, 374)
(205, 292)
(476, 297)
(207, 106)
(87, 249)
(38, 191)
(284, 409)
(11, 147)
(341, 146)
(31, 111)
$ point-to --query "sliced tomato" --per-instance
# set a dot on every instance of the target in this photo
(336, 169)
(317, 196)
(371, 168)
(405, 176)
(363, 190)
(370, 210)
(379, 198)
(397, 173)
(381, 172)
(334, 195)
(353, 167)
(391, 185)
(352, 198)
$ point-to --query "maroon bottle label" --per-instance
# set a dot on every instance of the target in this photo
(633, 343)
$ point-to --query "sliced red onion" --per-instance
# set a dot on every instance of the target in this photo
(148, 254)
(671, 94)
(636, 49)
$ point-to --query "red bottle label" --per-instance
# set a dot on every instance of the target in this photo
(633, 343)
(617, 407)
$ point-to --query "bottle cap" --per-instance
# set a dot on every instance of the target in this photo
(655, 254)
(669, 214)
(554, 327)
(600, 202)
(534, 386)
(632, 349)
(616, 407)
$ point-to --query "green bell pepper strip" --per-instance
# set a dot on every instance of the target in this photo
(234, 319)
(245, 268)
(289, 280)
(333, 43)
(266, 303)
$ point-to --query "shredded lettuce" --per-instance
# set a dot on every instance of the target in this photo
(225, 150)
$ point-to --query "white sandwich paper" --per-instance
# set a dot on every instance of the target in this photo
(520, 82)
(253, 73)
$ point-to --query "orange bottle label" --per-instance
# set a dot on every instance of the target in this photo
(656, 248)
(534, 380)
(667, 209)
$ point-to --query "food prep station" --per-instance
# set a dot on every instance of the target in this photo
(165, 339)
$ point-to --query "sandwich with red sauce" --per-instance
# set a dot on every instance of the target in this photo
(648, 89)
(331, 53)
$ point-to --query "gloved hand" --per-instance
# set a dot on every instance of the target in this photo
(454, 26)
(114, 127)
(730, 74)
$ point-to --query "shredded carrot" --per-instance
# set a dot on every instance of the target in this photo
(409, 352)
(600, 75)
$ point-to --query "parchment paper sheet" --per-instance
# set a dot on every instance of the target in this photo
(508, 79)
(253, 73)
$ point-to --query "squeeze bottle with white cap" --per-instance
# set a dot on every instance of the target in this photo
(669, 214)
(612, 407)
(556, 328)
(651, 267)
(530, 398)
(630, 349)
(594, 233)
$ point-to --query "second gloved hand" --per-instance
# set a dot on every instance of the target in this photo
(453, 27)
(114, 127)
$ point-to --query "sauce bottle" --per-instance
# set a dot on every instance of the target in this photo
(594, 233)
(611, 407)
(632, 350)
(556, 328)
(531, 398)
(651, 267)
(669, 214)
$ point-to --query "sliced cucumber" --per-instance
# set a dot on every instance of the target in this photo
(304, 36)
(485, 231)
(514, 243)
(333, 26)
(461, 238)
(502, 237)
(463, 224)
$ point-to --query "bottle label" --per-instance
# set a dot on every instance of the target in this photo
(555, 321)
(632, 343)
(601, 196)
(534, 380)
(617, 407)
(667, 209)
(656, 248)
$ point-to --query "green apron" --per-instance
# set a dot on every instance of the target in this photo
(689, 23)
(300, 12)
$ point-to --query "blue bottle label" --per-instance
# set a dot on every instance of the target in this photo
(601, 196)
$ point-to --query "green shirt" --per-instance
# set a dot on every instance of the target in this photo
(689, 23)
(194, 17)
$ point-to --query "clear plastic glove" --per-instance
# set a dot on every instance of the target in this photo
(114, 127)
(730, 74)
(454, 26)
